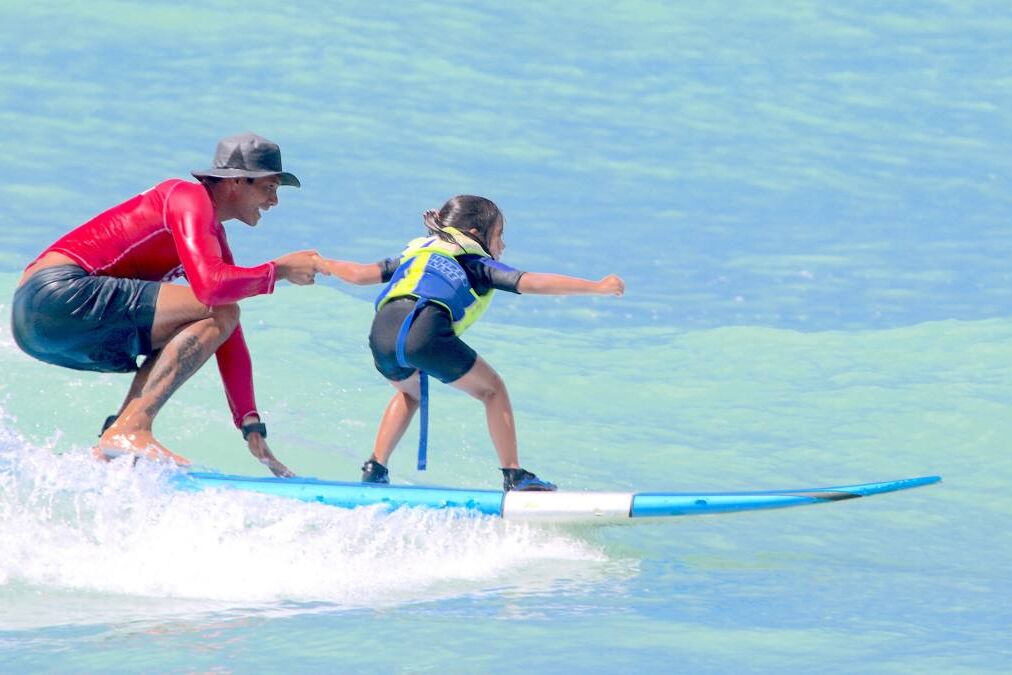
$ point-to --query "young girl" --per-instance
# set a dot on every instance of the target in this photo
(438, 287)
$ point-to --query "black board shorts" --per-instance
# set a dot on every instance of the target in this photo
(431, 344)
(65, 316)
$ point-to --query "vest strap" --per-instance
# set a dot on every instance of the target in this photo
(423, 383)
(423, 420)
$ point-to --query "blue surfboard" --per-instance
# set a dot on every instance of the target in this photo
(562, 506)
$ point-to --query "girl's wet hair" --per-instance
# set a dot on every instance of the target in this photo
(465, 212)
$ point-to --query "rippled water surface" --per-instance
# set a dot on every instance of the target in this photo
(808, 204)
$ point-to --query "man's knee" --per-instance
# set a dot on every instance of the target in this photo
(226, 316)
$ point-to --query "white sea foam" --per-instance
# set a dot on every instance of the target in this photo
(72, 524)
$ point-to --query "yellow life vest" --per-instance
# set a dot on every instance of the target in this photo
(429, 270)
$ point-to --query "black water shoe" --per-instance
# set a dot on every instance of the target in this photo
(524, 481)
(374, 472)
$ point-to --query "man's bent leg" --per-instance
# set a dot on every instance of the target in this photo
(136, 385)
(176, 308)
(186, 333)
(140, 379)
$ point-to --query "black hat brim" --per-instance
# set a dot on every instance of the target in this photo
(286, 178)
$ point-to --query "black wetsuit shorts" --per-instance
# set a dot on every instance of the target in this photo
(65, 316)
(431, 344)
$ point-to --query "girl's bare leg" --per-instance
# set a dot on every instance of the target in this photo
(484, 384)
(396, 418)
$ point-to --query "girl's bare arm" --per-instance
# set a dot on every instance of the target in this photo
(560, 284)
(355, 273)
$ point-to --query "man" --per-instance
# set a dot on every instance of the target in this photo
(99, 297)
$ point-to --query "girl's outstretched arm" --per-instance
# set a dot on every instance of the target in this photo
(353, 272)
(560, 284)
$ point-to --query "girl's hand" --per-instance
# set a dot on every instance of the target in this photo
(611, 285)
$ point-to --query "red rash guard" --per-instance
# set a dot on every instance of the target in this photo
(167, 232)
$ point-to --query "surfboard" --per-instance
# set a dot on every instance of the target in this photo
(563, 506)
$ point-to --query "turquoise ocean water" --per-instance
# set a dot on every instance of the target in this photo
(809, 204)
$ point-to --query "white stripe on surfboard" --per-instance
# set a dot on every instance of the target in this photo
(566, 505)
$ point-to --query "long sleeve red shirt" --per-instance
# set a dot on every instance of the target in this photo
(167, 232)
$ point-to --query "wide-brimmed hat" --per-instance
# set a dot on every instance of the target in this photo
(248, 156)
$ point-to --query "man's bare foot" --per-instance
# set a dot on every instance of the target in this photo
(114, 443)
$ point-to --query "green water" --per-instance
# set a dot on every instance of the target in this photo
(809, 205)
(897, 580)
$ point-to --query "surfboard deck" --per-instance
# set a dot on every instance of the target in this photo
(562, 506)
